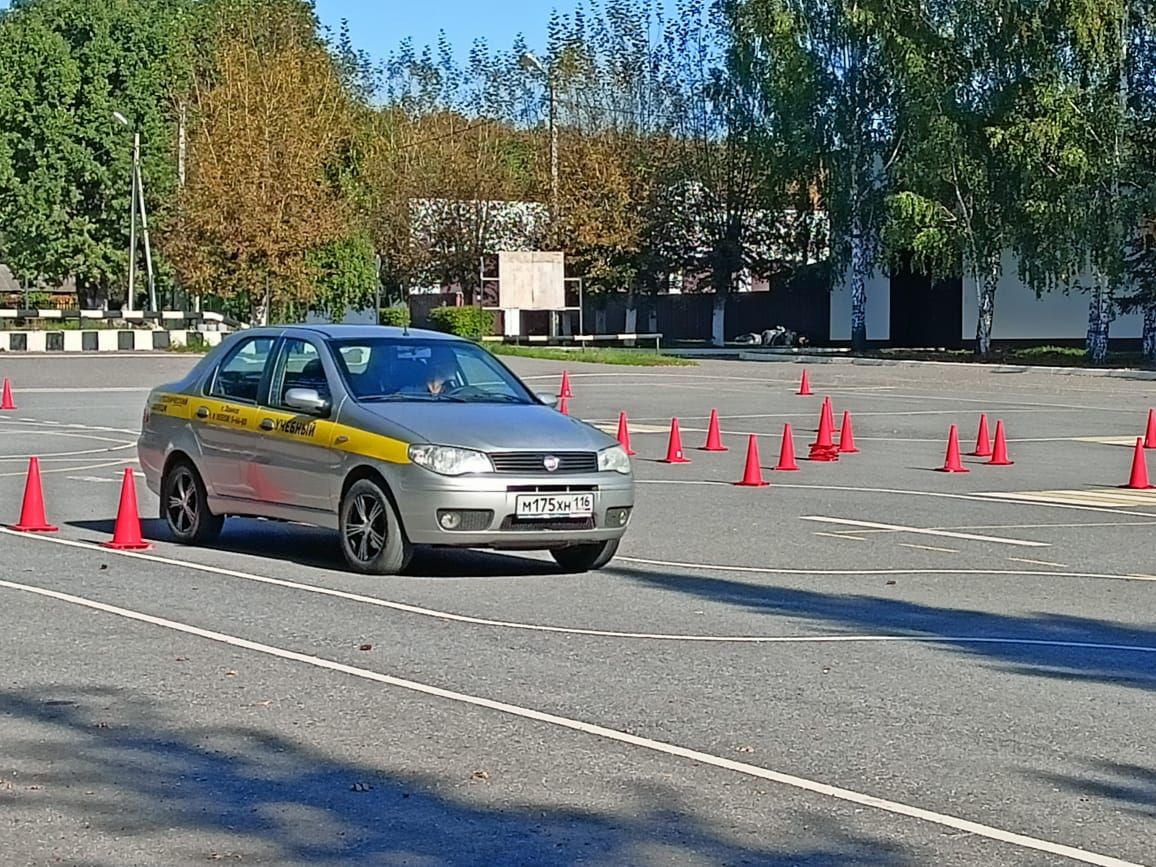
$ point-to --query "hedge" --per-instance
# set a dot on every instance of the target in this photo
(397, 315)
(467, 321)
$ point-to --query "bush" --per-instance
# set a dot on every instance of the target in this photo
(468, 321)
(397, 315)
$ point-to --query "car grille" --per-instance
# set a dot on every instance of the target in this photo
(533, 463)
(514, 523)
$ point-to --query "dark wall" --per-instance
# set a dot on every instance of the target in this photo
(925, 312)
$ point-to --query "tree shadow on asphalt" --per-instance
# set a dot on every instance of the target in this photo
(855, 614)
(318, 548)
(1128, 784)
(105, 759)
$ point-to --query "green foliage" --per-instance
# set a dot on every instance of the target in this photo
(630, 357)
(346, 276)
(466, 321)
(396, 315)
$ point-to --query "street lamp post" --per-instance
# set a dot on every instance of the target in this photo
(529, 61)
(138, 202)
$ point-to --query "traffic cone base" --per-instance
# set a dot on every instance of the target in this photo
(565, 390)
(6, 397)
(1150, 434)
(753, 473)
(847, 436)
(624, 435)
(1139, 478)
(982, 443)
(126, 535)
(674, 453)
(805, 385)
(787, 452)
(32, 517)
(713, 435)
(953, 464)
(999, 456)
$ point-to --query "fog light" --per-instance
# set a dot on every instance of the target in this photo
(617, 517)
(465, 520)
(450, 520)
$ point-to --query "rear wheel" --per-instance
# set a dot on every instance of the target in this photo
(371, 536)
(185, 506)
(584, 557)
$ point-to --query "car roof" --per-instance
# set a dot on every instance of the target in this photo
(353, 332)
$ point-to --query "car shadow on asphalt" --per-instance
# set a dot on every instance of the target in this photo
(945, 627)
(107, 760)
(1133, 786)
(318, 548)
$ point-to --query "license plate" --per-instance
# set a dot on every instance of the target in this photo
(555, 505)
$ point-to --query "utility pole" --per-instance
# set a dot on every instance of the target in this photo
(529, 61)
(144, 224)
(131, 296)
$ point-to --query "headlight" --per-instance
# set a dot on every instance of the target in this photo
(450, 461)
(613, 459)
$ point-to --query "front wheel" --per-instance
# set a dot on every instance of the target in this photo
(371, 536)
(185, 506)
(584, 557)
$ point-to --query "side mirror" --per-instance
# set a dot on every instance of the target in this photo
(306, 400)
(551, 400)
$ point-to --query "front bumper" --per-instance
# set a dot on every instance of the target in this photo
(421, 495)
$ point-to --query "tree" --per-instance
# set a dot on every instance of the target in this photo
(270, 131)
(64, 185)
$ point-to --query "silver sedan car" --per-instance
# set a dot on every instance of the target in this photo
(393, 437)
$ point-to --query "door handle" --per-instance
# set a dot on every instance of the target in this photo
(267, 424)
(202, 412)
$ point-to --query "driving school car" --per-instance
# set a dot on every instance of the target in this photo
(394, 437)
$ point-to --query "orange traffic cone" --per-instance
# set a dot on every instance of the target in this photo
(562, 406)
(805, 385)
(753, 474)
(6, 398)
(1150, 436)
(126, 534)
(999, 457)
(847, 436)
(674, 449)
(713, 435)
(32, 517)
(565, 390)
(787, 451)
(1139, 477)
(624, 434)
(824, 448)
(982, 443)
(953, 464)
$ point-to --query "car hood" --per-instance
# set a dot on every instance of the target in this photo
(493, 427)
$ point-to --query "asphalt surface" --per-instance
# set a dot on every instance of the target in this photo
(979, 694)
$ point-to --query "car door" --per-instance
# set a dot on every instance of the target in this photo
(296, 462)
(224, 418)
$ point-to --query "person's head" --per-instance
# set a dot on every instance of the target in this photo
(441, 366)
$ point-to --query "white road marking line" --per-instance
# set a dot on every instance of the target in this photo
(81, 469)
(801, 783)
(74, 425)
(79, 389)
(928, 548)
(1039, 562)
(838, 536)
(925, 532)
(572, 630)
(1053, 526)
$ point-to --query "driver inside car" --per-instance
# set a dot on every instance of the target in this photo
(441, 368)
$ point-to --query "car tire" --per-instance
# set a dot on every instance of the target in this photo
(372, 538)
(185, 505)
(585, 557)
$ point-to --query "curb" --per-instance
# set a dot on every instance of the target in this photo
(988, 367)
(102, 341)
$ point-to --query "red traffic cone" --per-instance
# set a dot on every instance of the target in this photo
(787, 451)
(999, 457)
(565, 390)
(713, 436)
(624, 434)
(674, 449)
(847, 436)
(6, 398)
(805, 385)
(953, 464)
(982, 443)
(1150, 436)
(1139, 477)
(32, 517)
(753, 474)
(824, 448)
(126, 534)
(562, 406)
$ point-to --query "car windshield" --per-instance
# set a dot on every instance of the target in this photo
(411, 369)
